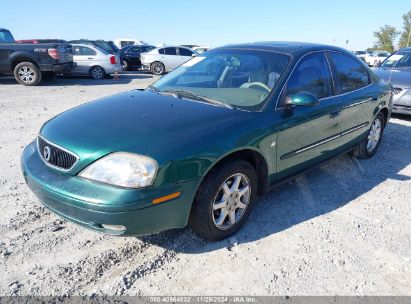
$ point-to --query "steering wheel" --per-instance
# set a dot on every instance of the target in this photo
(255, 84)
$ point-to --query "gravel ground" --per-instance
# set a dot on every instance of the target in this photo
(343, 229)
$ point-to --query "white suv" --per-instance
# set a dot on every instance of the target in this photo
(165, 59)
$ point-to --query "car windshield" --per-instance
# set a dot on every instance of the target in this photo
(227, 77)
(398, 60)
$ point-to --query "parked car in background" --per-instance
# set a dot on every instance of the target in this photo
(190, 46)
(107, 46)
(376, 58)
(396, 70)
(93, 61)
(361, 54)
(30, 63)
(122, 42)
(199, 149)
(165, 59)
(201, 49)
(41, 41)
(130, 55)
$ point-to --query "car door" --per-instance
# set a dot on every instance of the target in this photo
(185, 55)
(308, 134)
(170, 58)
(133, 54)
(84, 58)
(357, 96)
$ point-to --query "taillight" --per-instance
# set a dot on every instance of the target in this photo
(54, 53)
(113, 60)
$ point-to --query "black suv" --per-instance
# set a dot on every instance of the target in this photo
(30, 63)
(130, 55)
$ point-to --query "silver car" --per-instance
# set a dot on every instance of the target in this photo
(396, 70)
(165, 59)
(94, 61)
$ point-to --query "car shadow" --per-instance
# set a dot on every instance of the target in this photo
(401, 116)
(307, 196)
(67, 80)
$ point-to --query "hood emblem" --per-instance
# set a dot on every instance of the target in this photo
(47, 153)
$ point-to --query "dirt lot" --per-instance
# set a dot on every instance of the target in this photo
(343, 229)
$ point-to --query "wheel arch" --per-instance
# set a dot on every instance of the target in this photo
(251, 155)
(20, 59)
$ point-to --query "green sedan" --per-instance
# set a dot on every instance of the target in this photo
(202, 143)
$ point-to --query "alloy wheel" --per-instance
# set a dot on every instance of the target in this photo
(158, 68)
(97, 73)
(231, 201)
(374, 135)
(26, 74)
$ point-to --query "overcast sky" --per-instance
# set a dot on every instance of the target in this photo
(204, 22)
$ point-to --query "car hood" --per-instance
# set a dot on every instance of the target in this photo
(140, 122)
(397, 77)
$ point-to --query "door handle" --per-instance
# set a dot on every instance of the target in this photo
(90, 58)
(335, 114)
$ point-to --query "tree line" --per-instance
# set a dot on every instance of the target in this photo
(387, 35)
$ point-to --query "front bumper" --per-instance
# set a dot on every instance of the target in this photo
(93, 205)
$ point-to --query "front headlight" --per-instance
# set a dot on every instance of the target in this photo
(122, 169)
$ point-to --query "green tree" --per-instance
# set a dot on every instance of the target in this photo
(405, 38)
(385, 38)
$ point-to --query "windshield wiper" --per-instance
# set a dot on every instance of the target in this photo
(191, 95)
(153, 88)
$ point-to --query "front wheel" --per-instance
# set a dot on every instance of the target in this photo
(97, 72)
(368, 146)
(224, 200)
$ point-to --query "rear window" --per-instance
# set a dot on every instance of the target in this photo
(351, 74)
(6, 37)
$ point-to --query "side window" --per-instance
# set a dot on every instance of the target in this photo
(312, 75)
(405, 61)
(351, 74)
(135, 49)
(83, 51)
(76, 51)
(161, 51)
(185, 52)
(170, 51)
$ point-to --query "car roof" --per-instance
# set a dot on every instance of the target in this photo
(284, 46)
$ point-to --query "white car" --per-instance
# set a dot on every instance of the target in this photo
(94, 61)
(376, 58)
(165, 59)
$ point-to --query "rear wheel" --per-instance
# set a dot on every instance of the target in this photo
(126, 65)
(97, 72)
(27, 73)
(157, 68)
(368, 146)
(224, 200)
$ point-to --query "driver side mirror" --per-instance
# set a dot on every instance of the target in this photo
(302, 99)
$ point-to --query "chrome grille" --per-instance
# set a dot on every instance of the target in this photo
(397, 91)
(55, 156)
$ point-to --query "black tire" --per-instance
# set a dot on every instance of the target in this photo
(126, 65)
(202, 216)
(27, 73)
(97, 72)
(48, 76)
(157, 68)
(362, 150)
